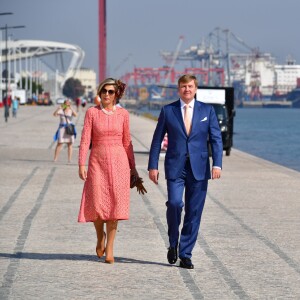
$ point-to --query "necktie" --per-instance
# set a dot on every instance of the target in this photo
(187, 119)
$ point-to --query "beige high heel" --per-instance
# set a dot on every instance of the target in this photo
(110, 261)
(111, 227)
(100, 252)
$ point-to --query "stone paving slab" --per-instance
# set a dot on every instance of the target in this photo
(248, 248)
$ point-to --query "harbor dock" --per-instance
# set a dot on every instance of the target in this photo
(267, 104)
(247, 248)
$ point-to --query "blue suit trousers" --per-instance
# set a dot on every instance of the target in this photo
(194, 199)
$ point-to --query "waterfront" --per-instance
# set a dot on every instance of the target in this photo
(269, 133)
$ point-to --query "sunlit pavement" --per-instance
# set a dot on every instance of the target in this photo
(248, 247)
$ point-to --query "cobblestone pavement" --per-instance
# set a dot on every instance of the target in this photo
(248, 248)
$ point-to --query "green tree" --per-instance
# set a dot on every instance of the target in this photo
(73, 88)
(36, 88)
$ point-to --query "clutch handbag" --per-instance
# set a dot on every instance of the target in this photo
(137, 182)
(133, 180)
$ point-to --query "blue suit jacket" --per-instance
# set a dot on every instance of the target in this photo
(204, 125)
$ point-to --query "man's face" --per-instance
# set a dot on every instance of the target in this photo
(187, 91)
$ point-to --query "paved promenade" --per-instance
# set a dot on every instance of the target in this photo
(248, 248)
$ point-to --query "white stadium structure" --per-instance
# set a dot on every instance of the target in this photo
(33, 59)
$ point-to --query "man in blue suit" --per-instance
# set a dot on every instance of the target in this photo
(189, 124)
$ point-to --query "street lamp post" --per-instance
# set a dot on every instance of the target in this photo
(6, 112)
(6, 109)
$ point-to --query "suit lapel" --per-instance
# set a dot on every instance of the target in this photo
(178, 114)
(196, 115)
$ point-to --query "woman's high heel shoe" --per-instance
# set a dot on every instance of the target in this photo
(110, 261)
(109, 258)
(99, 251)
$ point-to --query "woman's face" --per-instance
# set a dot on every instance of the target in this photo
(66, 104)
(108, 95)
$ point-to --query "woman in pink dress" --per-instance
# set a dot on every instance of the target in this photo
(105, 197)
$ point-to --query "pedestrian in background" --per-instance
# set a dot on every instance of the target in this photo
(7, 104)
(189, 124)
(105, 197)
(65, 113)
(77, 102)
(15, 106)
(83, 103)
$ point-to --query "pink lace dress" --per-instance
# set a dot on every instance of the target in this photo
(107, 188)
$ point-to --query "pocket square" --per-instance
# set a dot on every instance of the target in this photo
(204, 119)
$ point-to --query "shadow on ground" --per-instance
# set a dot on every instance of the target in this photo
(77, 257)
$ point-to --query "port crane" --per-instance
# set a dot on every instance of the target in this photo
(215, 53)
(117, 68)
(174, 59)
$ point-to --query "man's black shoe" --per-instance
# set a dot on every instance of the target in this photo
(172, 255)
(186, 263)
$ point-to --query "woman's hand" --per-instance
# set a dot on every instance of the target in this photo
(56, 111)
(134, 172)
(82, 173)
(74, 113)
(138, 183)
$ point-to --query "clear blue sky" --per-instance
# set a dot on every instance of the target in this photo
(142, 28)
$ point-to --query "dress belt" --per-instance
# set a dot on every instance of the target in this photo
(107, 142)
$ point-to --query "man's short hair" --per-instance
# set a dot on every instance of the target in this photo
(187, 78)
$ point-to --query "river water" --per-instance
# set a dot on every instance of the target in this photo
(270, 133)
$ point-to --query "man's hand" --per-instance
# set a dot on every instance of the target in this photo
(216, 173)
(82, 173)
(153, 175)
